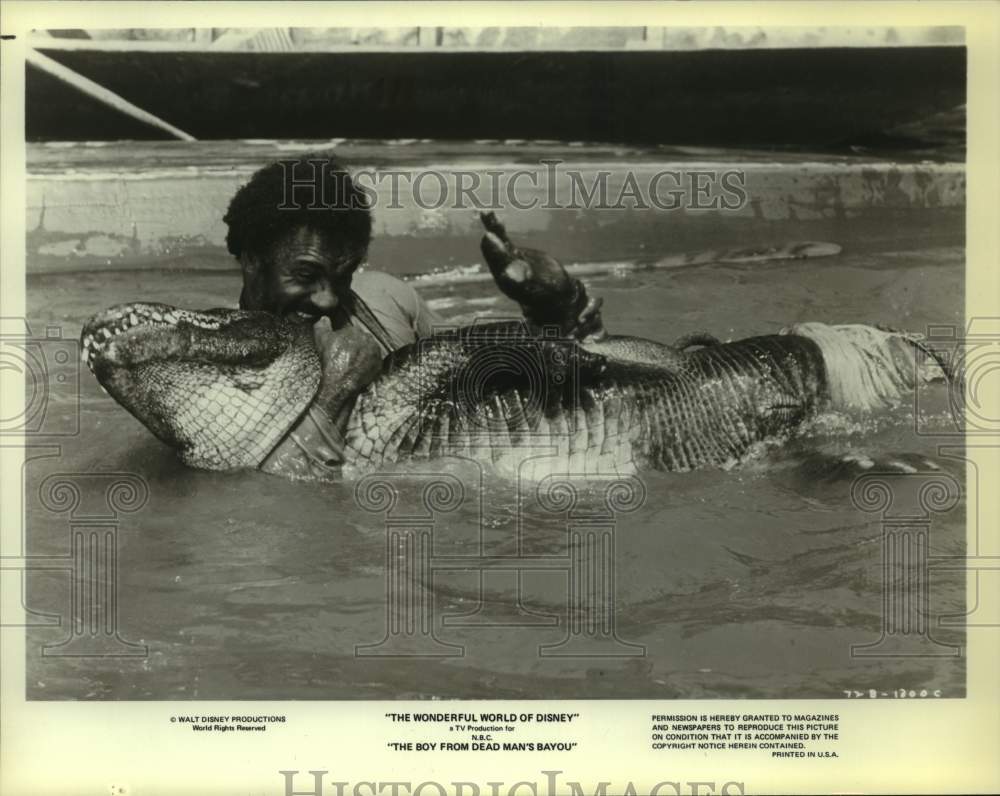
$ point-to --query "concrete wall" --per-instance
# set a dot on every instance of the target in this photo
(86, 212)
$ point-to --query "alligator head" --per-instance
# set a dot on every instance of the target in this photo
(220, 386)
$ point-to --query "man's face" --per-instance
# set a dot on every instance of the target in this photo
(303, 271)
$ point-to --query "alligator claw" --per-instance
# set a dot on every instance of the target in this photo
(539, 283)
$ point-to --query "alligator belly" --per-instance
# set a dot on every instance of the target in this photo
(617, 417)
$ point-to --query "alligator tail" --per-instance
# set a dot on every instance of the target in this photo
(868, 367)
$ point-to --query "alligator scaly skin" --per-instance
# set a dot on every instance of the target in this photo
(471, 397)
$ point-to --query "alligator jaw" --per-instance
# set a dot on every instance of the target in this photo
(102, 333)
(221, 386)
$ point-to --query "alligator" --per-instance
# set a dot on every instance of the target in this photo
(231, 389)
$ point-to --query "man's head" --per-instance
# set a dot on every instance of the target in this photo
(300, 228)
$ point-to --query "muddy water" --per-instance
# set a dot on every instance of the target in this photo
(749, 583)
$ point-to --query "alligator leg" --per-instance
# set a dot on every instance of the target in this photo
(549, 297)
(696, 339)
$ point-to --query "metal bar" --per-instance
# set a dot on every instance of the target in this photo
(100, 93)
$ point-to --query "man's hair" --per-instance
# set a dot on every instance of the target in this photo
(280, 197)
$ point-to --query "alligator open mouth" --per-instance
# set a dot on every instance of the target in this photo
(220, 386)
(102, 331)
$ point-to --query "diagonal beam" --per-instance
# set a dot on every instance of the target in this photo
(100, 93)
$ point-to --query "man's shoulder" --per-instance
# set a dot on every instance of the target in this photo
(391, 308)
(371, 284)
(397, 304)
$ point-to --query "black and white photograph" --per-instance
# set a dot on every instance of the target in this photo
(421, 363)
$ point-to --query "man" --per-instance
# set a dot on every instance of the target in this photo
(301, 230)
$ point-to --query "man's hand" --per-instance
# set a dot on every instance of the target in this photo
(351, 360)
